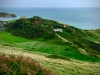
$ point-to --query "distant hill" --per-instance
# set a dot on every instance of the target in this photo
(7, 15)
(48, 30)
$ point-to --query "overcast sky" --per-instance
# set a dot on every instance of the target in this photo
(49, 3)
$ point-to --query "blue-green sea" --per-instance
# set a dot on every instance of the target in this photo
(83, 18)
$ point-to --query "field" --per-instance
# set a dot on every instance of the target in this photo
(62, 50)
(58, 66)
(59, 57)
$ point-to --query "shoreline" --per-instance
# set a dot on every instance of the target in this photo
(18, 17)
(7, 15)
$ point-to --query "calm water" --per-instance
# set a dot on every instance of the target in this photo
(83, 18)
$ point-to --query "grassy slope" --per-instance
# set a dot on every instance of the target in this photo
(81, 39)
(58, 66)
(6, 37)
(94, 35)
(57, 49)
(62, 50)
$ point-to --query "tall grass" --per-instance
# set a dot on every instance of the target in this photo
(19, 65)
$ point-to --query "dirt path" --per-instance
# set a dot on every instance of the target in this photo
(63, 39)
(61, 67)
(18, 51)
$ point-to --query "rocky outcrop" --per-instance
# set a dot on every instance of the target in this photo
(23, 17)
(7, 15)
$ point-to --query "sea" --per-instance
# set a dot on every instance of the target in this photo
(83, 18)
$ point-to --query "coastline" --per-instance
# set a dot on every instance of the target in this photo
(83, 18)
(7, 15)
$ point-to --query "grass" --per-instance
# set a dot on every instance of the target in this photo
(64, 50)
(83, 42)
(93, 35)
(6, 37)
(57, 66)
(58, 57)
(19, 65)
(72, 68)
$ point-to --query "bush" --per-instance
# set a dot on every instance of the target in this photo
(19, 65)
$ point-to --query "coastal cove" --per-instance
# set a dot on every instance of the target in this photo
(83, 18)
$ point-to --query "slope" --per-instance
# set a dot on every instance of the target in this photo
(58, 66)
(49, 37)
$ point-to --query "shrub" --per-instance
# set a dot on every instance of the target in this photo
(19, 65)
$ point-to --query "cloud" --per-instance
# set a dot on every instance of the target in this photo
(95, 3)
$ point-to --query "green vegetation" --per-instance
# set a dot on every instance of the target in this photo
(5, 14)
(6, 37)
(66, 51)
(32, 27)
(82, 42)
(94, 35)
(37, 27)
(49, 46)
(56, 65)
(65, 44)
(19, 65)
(61, 52)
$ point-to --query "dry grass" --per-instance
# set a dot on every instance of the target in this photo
(58, 66)
(19, 65)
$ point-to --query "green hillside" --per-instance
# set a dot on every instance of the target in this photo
(70, 43)
(59, 48)
(94, 35)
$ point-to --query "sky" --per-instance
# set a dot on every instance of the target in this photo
(49, 3)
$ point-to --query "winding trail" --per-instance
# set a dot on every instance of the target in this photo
(63, 39)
